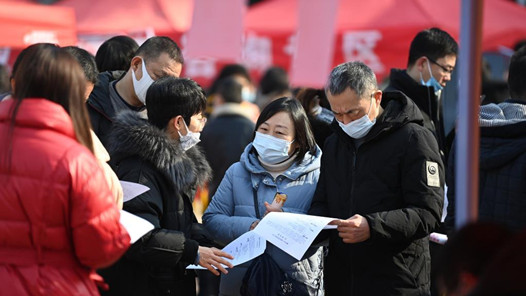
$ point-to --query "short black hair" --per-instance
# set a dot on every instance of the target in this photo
(230, 90)
(155, 46)
(169, 97)
(229, 71)
(433, 43)
(520, 44)
(116, 53)
(304, 136)
(86, 61)
(274, 80)
(517, 75)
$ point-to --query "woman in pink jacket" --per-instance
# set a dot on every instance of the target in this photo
(58, 221)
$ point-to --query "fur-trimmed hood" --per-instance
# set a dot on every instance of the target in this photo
(134, 136)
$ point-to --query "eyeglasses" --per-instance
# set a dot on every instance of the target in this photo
(448, 70)
(202, 120)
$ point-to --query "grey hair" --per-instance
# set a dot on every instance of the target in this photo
(355, 75)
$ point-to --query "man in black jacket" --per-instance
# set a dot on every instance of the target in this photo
(432, 59)
(382, 175)
(502, 186)
(121, 91)
(160, 153)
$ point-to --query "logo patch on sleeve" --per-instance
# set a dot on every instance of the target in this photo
(433, 178)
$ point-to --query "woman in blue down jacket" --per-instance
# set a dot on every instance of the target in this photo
(283, 157)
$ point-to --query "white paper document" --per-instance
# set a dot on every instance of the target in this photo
(132, 190)
(135, 225)
(292, 233)
(246, 247)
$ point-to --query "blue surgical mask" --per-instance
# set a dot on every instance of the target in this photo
(432, 81)
(359, 128)
(248, 95)
(271, 149)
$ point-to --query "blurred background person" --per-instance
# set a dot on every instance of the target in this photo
(59, 221)
(502, 166)
(116, 53)
(315, 103)
(87, 63)
(466, 255)
(273, 84)
(282, 158)
(5, 85)
(248, 91)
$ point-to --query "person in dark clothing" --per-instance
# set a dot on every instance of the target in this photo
(383, 177)
(87, 63)
(228, 132)
(160, 153)
(432, 59)
(502, 166)
(116, 53)
(320, 118)
(119, 91)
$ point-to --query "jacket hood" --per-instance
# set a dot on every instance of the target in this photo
(250, 161)
(502, 134)
(399, 110)
(135, 136)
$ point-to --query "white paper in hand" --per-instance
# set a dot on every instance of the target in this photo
(131, 190)
(135, 225)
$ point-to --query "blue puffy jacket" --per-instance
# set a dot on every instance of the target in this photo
(232, 211)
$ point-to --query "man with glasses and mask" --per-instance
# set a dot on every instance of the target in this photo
(432, 59)
(118, 91)
(383, 177)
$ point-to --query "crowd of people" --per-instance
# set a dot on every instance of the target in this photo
(73, 125)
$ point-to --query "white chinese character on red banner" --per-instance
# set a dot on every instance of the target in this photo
(290, 48)
(200, 67)
(257, 52)
(359, 46)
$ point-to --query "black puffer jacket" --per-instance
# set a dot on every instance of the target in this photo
(155, 265)
(426, 100)
(386, 180)
(502, 173)
(100, 109)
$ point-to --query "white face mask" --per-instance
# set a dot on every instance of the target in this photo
(271, 149)
(141, 86)
(357, 129)
(248, 95)
(190, 139)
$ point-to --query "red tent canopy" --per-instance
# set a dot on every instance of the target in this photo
(379, 32)
(22, 24)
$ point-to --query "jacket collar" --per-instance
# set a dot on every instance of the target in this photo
(99, 98)
(230, 109)
(421, 95)
(135, 136)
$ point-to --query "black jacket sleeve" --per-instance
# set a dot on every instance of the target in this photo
(159, 247)
(422, 202)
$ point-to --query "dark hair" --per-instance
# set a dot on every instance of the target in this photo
(86, 61)
(432, 43)
(470, 250)
(229, 71)
(116, 53)
(308, 96)
(354, 75)
(520, 44)
(47, 71)
(517, 75)
(169, 97)
(274, 80)
(230, 90)
(152, 48)
(4, 79)
(304, 137)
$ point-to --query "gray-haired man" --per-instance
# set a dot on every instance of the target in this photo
(382, 175)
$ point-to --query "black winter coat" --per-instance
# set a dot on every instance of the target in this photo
(386, 180)
(155, 264)
(502, 177)
(424, 97)
(100, 109)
